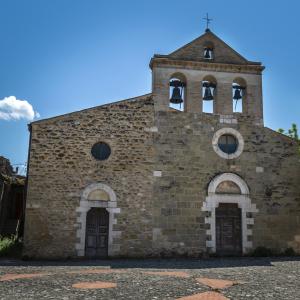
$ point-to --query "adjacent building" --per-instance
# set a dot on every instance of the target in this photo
(12, 200)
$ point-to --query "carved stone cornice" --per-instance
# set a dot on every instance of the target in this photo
(205, 66)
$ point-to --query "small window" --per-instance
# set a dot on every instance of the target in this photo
(228, 143)
(101, 151)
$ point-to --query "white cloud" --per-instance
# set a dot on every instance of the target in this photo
(14, 109)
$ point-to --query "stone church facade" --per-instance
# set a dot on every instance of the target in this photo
(143, 178)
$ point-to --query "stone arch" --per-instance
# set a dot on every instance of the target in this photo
(98, 186)
(210, 78)
(228, 177)
(106, 198)
(228, 187)
(243, 201)
(178, 75)
(209, 44)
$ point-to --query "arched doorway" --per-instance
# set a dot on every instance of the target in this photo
(96, 237)
(229, 212)
(96, 216)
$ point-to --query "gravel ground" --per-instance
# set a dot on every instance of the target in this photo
(263, 278)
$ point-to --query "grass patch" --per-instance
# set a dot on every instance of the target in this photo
(10, 247)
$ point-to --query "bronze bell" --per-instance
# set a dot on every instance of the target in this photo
(207, 53)
(176, 96)
(207, 94)
(237, 94)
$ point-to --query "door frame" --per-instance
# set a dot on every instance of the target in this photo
(107, 224)
(85, 206)
(243, 200)
(238, 217)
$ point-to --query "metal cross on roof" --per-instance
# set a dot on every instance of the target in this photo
(207, 21)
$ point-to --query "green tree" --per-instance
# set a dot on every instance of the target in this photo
(292, 132)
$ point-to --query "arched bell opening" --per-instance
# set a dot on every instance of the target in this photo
(177, 91)
(238, 95)
(209, 85)
(208, 51)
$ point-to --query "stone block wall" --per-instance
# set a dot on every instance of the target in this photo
(163, 71)
(222, 53)
(160, 168)
(61, 167)
(269, 164)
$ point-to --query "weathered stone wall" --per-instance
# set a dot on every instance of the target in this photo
(61, 167)
(187, 161)
(252, 105)
(160, 167)
(161, 164)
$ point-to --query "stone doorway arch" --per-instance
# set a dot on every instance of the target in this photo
(102, 196)
(241, 198)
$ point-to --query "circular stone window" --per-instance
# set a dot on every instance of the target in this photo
(101, 151)
(228, 143)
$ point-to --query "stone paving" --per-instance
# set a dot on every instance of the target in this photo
(210, 279)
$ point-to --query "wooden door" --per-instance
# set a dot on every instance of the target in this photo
(96, 239)
(228, 230)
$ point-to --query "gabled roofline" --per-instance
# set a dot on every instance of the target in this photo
(229, 47)
(283, 135)
(93, 107)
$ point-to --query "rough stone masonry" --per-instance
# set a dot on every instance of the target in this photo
(167, 186)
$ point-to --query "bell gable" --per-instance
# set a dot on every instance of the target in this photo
(209, 47)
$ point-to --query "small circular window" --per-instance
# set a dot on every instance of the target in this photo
(101, 151)
(228, 143)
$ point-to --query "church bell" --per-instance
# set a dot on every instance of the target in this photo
(207, 92)
(207, 53)
(176, 97)
(237, 92)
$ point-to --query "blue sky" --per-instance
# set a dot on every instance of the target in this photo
(66, 55)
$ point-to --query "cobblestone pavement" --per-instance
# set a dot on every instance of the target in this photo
(240, 278)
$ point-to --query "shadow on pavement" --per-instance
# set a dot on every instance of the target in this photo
(156, 263)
